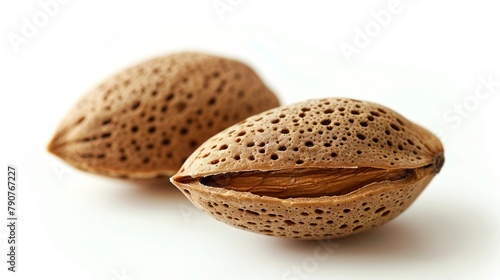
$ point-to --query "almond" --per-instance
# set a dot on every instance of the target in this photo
(319, 169)
(145, 121)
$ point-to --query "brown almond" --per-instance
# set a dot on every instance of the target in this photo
(318, 169)
(146, 120)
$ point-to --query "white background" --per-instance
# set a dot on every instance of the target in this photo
(426, 61)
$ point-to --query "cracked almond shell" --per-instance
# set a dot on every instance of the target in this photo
(146, 120)
(319, 169)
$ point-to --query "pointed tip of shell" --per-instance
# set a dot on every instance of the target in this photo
(54, 145)
(438, 162)
(57, 143)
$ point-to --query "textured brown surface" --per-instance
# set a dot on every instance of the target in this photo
(317, 134)
(146, 120)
